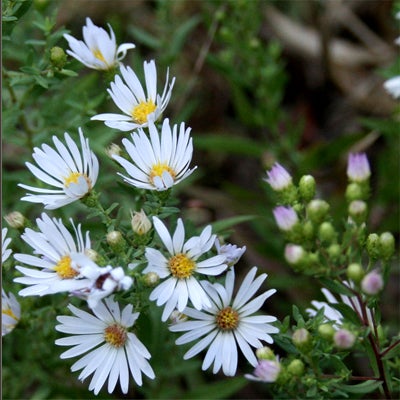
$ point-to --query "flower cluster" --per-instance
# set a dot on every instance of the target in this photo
(191, 276)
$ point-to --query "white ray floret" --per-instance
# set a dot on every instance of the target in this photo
(10, 312)
(228, 323)
(139, 107)
(98, 50)
(112, 352)
(72, 172)
(5, 241)
(51, 269)
(159, 161)
(179, 267)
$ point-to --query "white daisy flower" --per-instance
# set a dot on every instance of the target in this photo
(180, 266)
(52, 245)
(103, 280)
(332, 314)
(10, 312)
(228, 323)
(138, 107)
(5, 241)
(73, 174)
(158, 162)
(111, 350)
(99, 49)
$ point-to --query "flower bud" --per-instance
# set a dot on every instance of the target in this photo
(358, 211)
(278, 178)
(267, 370)
(296, 367)
(58, 57)
(92, 254)
(151, 279)
(334, 251)
(294, 254)
(355, 272)
(326, 331)
(326, 232)
(354, 191)
(317, 210)
(16, 220)
(285, 217)
(358, 169)
(386, 241)
(140, 222)
(373, 246)
(308, 230)
(265, 353)
(302, 339)
(113, 150)
(177, 317)
(307, 187)
(344, 339)
(116, 241)
(372, 283)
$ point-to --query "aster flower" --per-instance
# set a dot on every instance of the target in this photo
(138, 107)
(358, 169)
(230, 251)
(180, 266)
(158, 162)
(72, 173)
(112, 352)
(228, 323)
(5, 241)
(52, 245)
(278, 178)
(372, 283)
(286, 218)
(101, 281)
(99, 49)
(333, 315)
(10, 312)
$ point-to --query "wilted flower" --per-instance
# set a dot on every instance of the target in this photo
(138, 108)
(230, 251)
(140, 222)
(99, 49)
(265, 371)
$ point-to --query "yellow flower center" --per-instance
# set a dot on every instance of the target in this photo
(73, 178)
(181, 266)
(158, 169)
(142, 110)
(10, 313)
(227, 319)
(64, 269)
(97, 53)
(115, 335)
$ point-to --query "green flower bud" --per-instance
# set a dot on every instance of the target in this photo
(373, 246)
(358, 211)
(307, 187)
(308, 230)
(265, 353)
(113, 149)
(16, 220)
(354, 191)
(386, 241)
(296, 367)
(317, 210)
(41, 5)
(151, 279)
(302, 339)
(326, 232)
(58, 57)
(355, 272)
(116, 241)
(334, 251)
(326, 331)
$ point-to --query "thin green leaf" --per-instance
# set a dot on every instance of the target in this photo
(364, 387)
(224, 224)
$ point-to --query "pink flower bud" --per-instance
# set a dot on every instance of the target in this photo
(372, 283)
(285, 217)
(278, 177)
(358, 169)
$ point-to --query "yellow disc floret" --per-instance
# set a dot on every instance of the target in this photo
(115, 335)
(98, 54)
(158, 169)
(181, 266)
(73, 178)
(64, 268)
(227, 319)
(142, 110)
(9, 312)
